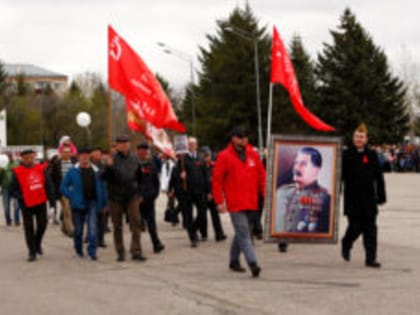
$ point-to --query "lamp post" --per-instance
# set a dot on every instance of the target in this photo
(188, 58)
(83, 119)
(251, 37)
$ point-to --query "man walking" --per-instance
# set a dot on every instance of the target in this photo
(238, 180)
(83, 186)
(32, 186)
(149, 191)
(364, 189)
(5, 178)
(214, 213)
(122, 174)
(191, 188)
(58, 170)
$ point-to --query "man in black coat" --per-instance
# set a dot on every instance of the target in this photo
(149, 190)
(121, 173)
(364, 189)
(189, 183)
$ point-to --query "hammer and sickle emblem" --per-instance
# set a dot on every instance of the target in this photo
(115, 51)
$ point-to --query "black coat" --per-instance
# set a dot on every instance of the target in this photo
(197, 181)
(364, 185)
(56, 175)
(149, 180)
(122, 177)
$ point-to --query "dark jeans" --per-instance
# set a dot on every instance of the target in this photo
(80, 216)
(6, 206)
(215, 218)
(101, 226)
(148, 213)
(34, 237)
(186, 202)
(242, 239)
(365, 225)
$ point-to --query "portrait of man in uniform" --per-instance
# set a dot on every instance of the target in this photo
(304, 205)
(303, 189)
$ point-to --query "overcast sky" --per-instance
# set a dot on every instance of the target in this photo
(69, 36)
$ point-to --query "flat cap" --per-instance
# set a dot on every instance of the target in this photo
(143, 145)
(26, 152)
(122, 138)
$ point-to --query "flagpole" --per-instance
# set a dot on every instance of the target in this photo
(269, 114)
(110, 137)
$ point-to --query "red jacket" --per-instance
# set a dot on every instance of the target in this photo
(236, 182)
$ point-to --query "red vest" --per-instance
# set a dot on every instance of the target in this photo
(32, 184)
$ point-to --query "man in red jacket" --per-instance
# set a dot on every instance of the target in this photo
(32, 187)
(238, 180)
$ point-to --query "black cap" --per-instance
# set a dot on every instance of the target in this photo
(26, 152)
(122, 138)
(143, 145)
(83, 151)
(240, 132)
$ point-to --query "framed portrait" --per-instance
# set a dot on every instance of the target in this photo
(303, 181)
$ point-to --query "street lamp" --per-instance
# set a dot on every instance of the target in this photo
(251, 37)
(188, 58)
(83, 119)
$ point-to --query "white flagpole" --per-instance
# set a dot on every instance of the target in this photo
(269, 114)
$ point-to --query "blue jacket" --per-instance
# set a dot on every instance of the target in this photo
(72, 188)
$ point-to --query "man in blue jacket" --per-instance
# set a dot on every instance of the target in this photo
(83, 186)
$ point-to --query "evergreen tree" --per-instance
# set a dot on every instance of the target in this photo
(356, 85)
(225, 94)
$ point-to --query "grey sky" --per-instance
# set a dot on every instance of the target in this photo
(70, 36)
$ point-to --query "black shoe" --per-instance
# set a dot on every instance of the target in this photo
(204, 238)
(283, 247)
(17, 223)
(221, 238)
(345, 253)
(80, 255)
(31, 257)
(102, 244)
(107, 230)
(121, 258)
(39, 251)
(138, 257)
(236, 267)
(93, 257)
(259, 236)
(373, 264)
(85, 240)
(158, 248)
(194, 244)
(255, 270)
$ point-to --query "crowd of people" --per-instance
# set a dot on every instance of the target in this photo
(399, 158)
(93, 187)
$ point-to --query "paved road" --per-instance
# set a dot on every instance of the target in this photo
(309, 279)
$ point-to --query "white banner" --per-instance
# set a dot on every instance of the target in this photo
(3, 128)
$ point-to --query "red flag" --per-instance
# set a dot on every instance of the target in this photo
(282, 72)
(129, 75)
(137, 122)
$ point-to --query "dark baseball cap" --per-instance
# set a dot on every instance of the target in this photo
(143, 145)
(240, 132)
(123, 138)
(83, 151)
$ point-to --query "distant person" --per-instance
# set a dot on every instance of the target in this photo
(5, 178)
(66, 141)
(59, 169)
(149, 191)
(32, 186)
(364, 190)
(238, 180)
(83, 186)
(121, 174)
(219, 234)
